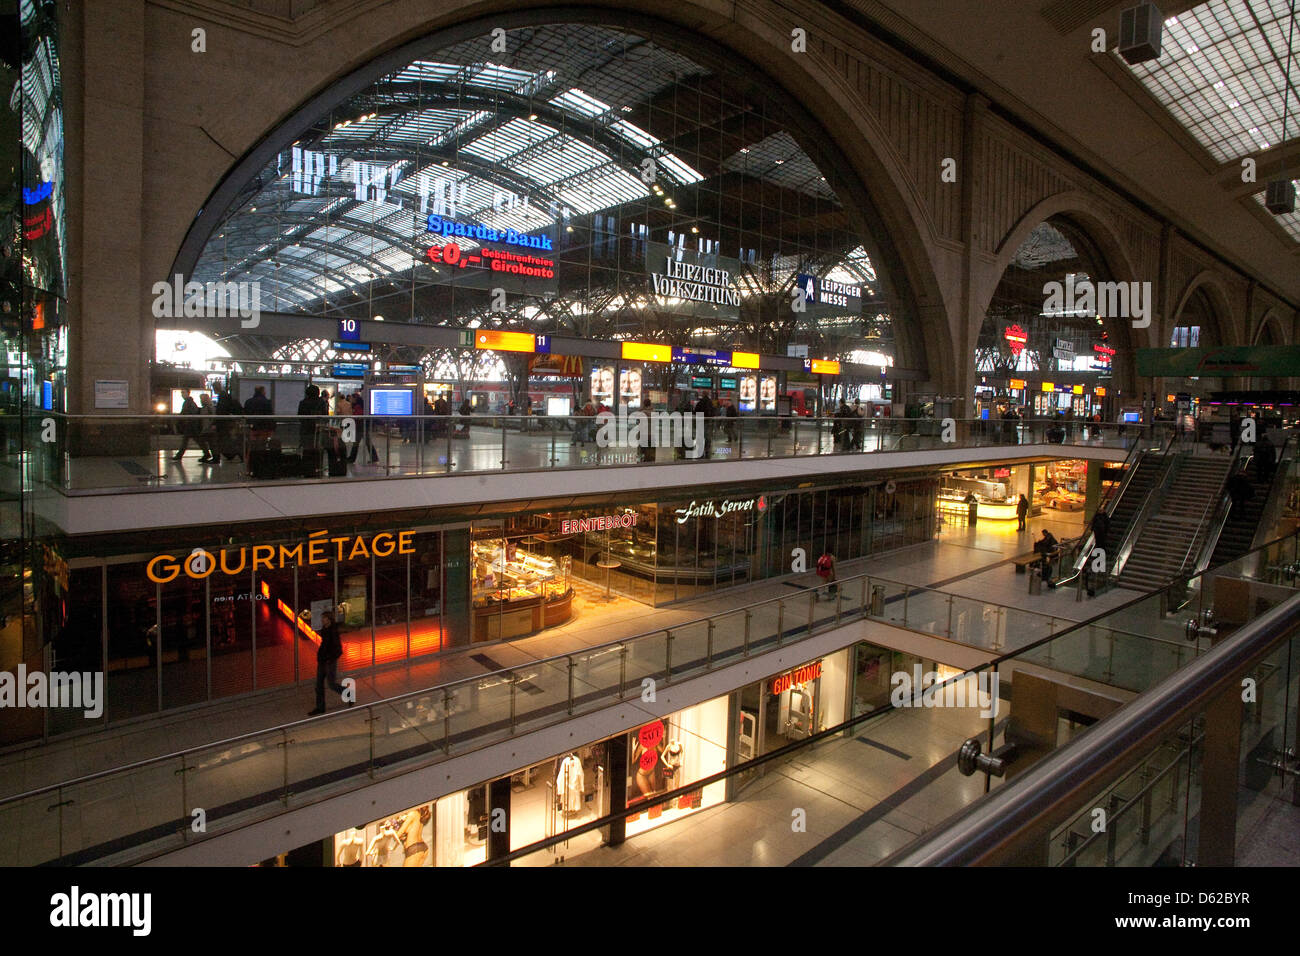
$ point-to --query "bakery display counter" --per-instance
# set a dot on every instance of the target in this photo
(985, 510)
(517, 593)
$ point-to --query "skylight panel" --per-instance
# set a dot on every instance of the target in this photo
(579, 102)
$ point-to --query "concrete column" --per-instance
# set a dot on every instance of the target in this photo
(111, 329)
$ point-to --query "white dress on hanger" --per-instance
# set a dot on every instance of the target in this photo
(569, 784)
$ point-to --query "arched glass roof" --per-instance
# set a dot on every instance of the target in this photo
(586, 134)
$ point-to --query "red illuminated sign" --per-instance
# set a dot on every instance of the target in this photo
(1104, 352)
(798, 676)
(495, 260)
(1016, 338)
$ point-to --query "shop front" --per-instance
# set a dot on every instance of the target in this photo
(560, 794)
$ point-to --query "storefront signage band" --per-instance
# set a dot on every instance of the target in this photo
(713, 509)
(200, 563)
(603, 523)
(800, 675)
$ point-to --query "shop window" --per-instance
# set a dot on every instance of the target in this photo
(517, 590)
(132, 677)
(671, 753)
(557, 795)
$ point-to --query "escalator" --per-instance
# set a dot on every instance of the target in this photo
(1242, 524)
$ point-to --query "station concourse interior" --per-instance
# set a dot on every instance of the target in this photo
(579, 436)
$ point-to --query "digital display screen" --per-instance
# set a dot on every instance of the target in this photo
(767, 394)
(1132, 417)
(748, 393)
(558, 406)
(701, 381)
(726, 383)
(47, 396)
(391, 401)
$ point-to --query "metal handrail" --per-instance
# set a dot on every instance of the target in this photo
(1276, 492)
(1076, 771)
(1222, 512)
(1154, 500)
(1132, 461)
(504, 675)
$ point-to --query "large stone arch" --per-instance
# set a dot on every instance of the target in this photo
(838, 133)
(1272, 323)
(1096, 221)
(1228, 330)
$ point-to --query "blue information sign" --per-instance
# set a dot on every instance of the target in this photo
(349, 330)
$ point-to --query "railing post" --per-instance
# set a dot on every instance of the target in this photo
(950, 617)
(1112, 832)
(748, 616)
(446, 720)
(571, 669)
(513, 679)
(185, 802)
(284, 750)
(503, 444)
(708, 653)
(780, 622)
(907, 590)
(370, 733)
(622, 670)
(668, 658)
(812, 609)
(839, 603)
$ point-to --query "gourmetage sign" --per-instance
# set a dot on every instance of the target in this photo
(319, 548)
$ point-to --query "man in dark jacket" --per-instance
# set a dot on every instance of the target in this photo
(229, 442)
(311, 404)
(258, 403)
(705, 407)
(192, 427)
(327, 662)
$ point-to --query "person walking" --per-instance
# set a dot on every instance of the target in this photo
(327, 662)
(826, 571)
(705, 407)
(1022, 512)
(208, 429)
(191, 427)
(363, 423)
(228, 426)
(1265, 458)
(972, 508)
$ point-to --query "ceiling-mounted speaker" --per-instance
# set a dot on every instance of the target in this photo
(1139, 33)
(1279, 197)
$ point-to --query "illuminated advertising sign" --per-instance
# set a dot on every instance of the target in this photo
(829, 292)
(602, 523)
(629, 387)
(447, 228)
(748, 396)
(1017, 383)
(317, 549)
(821, 367)
(800, 675)
(692, 283)
(718, 509)
(602, 385)
(744, 360)
(1016, 338)
(767, 393)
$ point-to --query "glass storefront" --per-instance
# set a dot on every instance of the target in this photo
(195, 621)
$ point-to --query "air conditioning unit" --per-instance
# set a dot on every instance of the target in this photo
(1279, 197)
(1139, 33)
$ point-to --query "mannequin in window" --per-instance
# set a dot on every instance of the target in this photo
(569, 784)
(411, 835)
(350, 849)
(672, 760)
(382, 845)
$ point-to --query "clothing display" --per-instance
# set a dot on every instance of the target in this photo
(350, 849)
(569, 783)
(381, 846)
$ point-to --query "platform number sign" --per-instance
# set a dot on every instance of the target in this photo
(543, 344)
(349, 330)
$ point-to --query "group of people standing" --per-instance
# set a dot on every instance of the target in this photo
(849, 426)
(213, 428)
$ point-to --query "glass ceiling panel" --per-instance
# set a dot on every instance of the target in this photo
(1221, 75)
